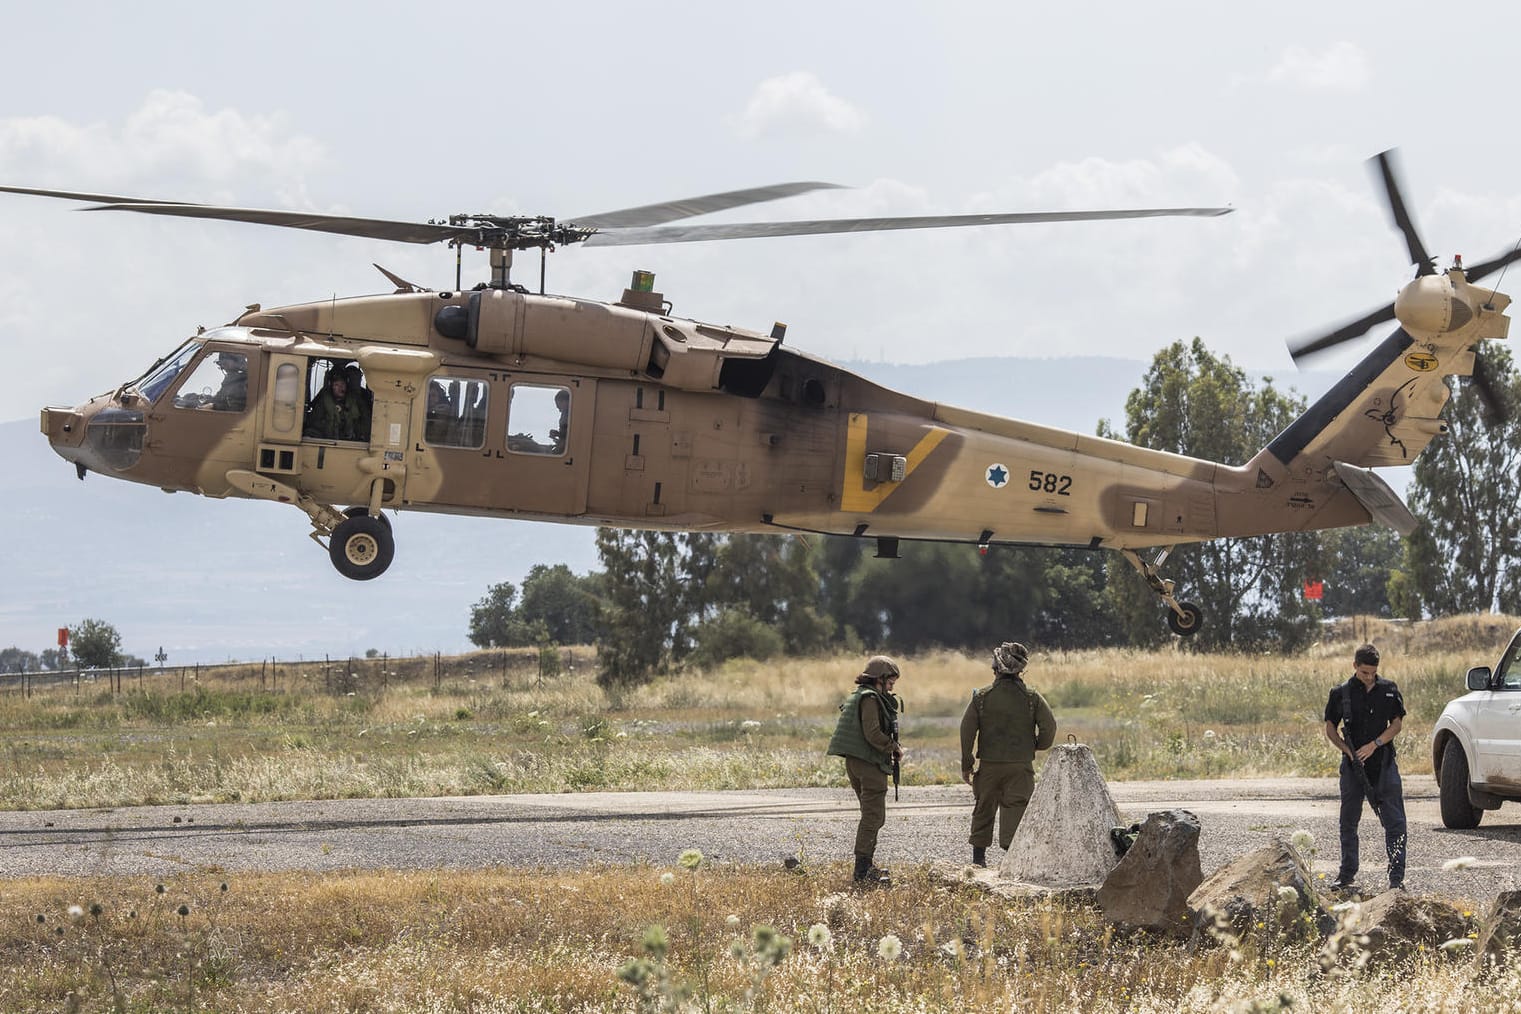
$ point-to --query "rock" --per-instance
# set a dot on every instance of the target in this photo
(992, 882)
(1149, 888)
(1501, 936)
(1271, 886)
(1063, 840)
(1391, 926)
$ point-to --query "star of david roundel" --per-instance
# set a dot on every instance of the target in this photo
(998, 476)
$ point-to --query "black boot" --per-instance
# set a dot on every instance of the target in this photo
(979, 855)
(863, 864)
(868, 875)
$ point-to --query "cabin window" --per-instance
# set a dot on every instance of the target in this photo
(1138, 514)
(538, 419)
(339, 405)
(456, 414)
(288, 401)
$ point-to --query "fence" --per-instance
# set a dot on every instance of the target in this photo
(339, 676)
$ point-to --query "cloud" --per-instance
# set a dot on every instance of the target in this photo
(797, 101)
(1343, 67)
(171, 139)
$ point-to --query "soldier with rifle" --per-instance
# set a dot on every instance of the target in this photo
(867, 737)
(1370, 712)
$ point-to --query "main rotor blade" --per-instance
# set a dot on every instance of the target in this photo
(1484, 385)
(77, 196)
(1347, 332)
(686, 207)
(1485, 268)
(1402, 220)
(370, 228)
(752, 230)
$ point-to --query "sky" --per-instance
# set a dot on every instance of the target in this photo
(414, 111)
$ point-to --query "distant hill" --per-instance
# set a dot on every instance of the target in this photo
(215, 580)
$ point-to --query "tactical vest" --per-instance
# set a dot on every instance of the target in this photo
(849, 739)
(1005, 721)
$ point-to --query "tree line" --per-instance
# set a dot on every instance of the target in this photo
(664, 600)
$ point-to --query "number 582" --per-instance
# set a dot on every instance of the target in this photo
(1050, 482)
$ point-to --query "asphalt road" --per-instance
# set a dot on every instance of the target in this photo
(614, 828)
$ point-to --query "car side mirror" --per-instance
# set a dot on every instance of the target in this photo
(1478, 677)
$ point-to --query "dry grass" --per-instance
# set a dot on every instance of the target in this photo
(536, 941)
(486, 723)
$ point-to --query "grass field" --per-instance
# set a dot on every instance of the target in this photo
(488, 724)
(649, 938)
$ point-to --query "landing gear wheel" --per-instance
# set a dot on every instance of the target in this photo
(1457, 812)
(1189, 623)
(361, 547)
(359, 512)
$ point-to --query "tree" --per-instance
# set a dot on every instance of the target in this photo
(772, 580)
(95, 644)
(493, 620)
(1466, 488)
(563, 604)
(16, 660)
(1360, 563)
(1191, 402)
(643, 604)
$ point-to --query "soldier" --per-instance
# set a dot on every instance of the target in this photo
(233, 394)
(1007, 722)
(1371, 713)
(867, 737)
(334, 415)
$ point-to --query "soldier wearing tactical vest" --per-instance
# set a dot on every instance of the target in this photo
(867, 737)
(1005, 723)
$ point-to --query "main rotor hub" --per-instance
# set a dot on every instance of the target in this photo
(496, 232)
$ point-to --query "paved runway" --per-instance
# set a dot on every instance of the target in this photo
(587, 829)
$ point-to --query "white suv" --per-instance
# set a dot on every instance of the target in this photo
(1476, 745)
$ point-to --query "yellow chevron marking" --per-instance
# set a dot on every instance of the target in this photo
(854, 496)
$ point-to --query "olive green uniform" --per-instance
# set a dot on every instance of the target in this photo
(1006, 722)
(864, 737)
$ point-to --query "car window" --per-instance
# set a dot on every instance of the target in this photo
(1508, 674)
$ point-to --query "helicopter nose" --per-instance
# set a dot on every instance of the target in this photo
(98, 438)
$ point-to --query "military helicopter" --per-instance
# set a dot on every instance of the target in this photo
(495, 401)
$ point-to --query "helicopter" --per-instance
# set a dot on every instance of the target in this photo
(500, 402)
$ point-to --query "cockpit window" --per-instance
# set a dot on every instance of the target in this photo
(160, 377)
(219, 383)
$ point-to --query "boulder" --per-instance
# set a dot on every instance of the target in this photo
(1149, 888)
(1500, 938)
(1391, 926)
(1063, 840)
(1271, 886)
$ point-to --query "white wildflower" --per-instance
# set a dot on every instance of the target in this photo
(820, 937)
(668, 878)
(1288, 895)
(1302, 840)
(1456, 944)
(890, 947)
(749, 723)
(733, 920)
(1460, 863)
(1209, 734)
(690, 859)
(75, 913)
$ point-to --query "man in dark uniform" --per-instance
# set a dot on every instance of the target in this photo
(1371, 712)
(867, 737)
(1005, 723)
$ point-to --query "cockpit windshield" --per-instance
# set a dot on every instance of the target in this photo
(152, 384)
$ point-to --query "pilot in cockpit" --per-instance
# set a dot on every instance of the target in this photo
(233, 394)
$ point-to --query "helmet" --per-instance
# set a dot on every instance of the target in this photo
(1010, 658)
(231, 361)
(880, 667)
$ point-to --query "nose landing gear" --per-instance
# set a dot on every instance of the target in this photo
(1183, 618)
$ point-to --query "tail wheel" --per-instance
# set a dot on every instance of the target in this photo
(1189, 623)
(1457, 812)
(362, 547)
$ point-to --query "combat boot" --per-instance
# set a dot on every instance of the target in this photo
(979, 855)
(869, 875)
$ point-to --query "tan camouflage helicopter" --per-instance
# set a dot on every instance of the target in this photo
(499, 402)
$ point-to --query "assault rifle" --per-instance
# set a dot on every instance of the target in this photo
(1362, 776)
(896, 713)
